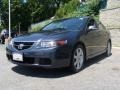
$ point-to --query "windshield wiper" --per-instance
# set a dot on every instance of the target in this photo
(60, 29)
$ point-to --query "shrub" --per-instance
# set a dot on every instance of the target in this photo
(38, 26)
(67, 8)
(75, 9)
(94, 5)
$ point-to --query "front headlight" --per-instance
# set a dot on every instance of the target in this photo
(51, 44)
(48, 44)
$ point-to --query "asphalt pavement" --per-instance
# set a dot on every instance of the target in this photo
(100, 73)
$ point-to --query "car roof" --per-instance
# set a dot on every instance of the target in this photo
(84, 17)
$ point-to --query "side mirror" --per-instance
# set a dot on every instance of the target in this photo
(90, 28)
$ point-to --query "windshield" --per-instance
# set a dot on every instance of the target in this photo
(65, 24)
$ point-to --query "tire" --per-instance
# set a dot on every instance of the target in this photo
(109, 47)
(77, 59)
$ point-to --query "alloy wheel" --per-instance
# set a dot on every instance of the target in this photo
(78, 59)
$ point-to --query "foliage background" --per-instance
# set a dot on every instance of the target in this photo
(27, 14)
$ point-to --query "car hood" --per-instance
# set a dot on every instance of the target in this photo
(47, 35)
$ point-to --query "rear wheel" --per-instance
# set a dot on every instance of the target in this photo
(108, 51)
(78, 58)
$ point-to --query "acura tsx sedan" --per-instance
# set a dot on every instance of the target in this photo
(62, 43)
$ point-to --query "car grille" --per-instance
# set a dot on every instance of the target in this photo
(23, 45)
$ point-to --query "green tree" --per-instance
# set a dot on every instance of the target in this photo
(4, 13)
(20, 15)
(33, 11)
(44, 9)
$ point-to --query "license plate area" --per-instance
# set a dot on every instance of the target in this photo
(18, 57)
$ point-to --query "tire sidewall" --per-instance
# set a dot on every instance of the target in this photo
(109, 43)
(72, 60)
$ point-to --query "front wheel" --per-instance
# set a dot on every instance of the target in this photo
(78, 58)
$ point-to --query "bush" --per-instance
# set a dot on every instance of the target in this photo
(91, 8)
(75, 9)
(67, 8)
(38, 26)
(95, 6)
(84, 11)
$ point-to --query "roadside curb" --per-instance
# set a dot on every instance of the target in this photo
(116, 47)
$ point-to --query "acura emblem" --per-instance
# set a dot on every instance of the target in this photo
(20, 46)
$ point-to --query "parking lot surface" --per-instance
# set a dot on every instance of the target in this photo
(100, 73)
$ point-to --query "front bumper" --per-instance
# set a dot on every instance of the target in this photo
(45, 58)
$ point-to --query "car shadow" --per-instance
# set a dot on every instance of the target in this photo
(95, 60)
(53, 73)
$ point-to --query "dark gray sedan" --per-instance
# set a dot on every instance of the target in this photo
(62, 43)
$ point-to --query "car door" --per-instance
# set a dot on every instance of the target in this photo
(103, 37)
(92, 38)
